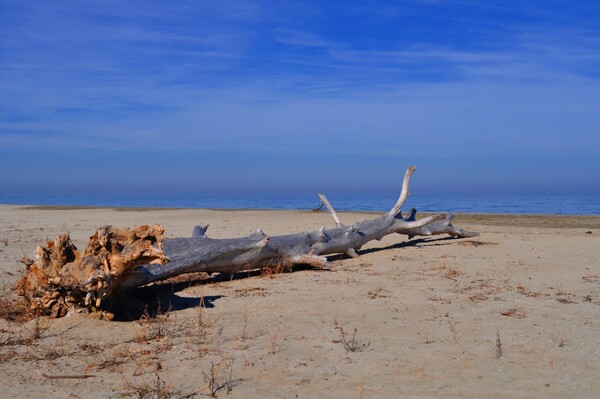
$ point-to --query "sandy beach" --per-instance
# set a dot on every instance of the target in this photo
(513, 313)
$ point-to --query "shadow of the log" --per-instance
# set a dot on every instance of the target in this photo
(159, 298)
(419, 242)
(259, 272)
(152, 300)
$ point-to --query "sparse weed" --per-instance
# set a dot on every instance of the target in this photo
(220, 377)
(203, 322)
(272, 269)
(498, 345)
(203, 326)
(8, 337)
(157, 389)
(91, 348)
(420, 371)
(110, 361)
(25, 335)
(361, 386)
(378, 293)
(452, 273)
(245, 318)
(558, 339)
(514, 312)
(351, 343)
(8, 355)
(13, 308)
(438, 267)
(157, 327)
(273, 345)
(38, 330)
(455, 335)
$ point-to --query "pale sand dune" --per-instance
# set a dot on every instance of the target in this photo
(428, 315)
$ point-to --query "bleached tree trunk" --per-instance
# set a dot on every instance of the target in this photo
(203, 254)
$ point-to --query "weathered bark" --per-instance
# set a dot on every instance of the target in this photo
(121, 259)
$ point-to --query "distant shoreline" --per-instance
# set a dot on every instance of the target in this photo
(493, 219)
(506, 205)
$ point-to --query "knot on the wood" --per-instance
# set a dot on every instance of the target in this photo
(353, 229)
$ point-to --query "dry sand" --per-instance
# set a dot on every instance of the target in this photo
(513, 313)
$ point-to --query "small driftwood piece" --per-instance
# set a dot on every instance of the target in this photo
(116, 260)
(66, 377)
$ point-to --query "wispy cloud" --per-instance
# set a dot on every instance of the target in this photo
(435, 77)
(302, 39)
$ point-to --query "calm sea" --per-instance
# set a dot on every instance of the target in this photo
(564, 205)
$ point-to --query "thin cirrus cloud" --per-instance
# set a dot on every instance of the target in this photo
(429, 80)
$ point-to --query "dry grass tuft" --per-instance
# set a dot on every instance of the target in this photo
(272, 269)
(250, 291)
(498, 345)
(521, 289)
(157, 327)
(452, 273)
(350, 342)
(156, 389)
(24, 335)
(558, 339)
(565, 298)
(245, 319)
(203, 326)
(273, 343)
(438, 267)
(91, 348)
(8, 355)
(111, 361)
(219, 377)
(378, 293)
(13, 308)
(591, 279)
(455, 335)
(514, 312)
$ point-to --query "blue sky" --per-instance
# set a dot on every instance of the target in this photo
(242, 97)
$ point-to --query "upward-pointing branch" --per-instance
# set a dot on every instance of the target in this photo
(404, 193)
(331, 210)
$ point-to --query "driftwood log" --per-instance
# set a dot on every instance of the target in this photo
(61, 277)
